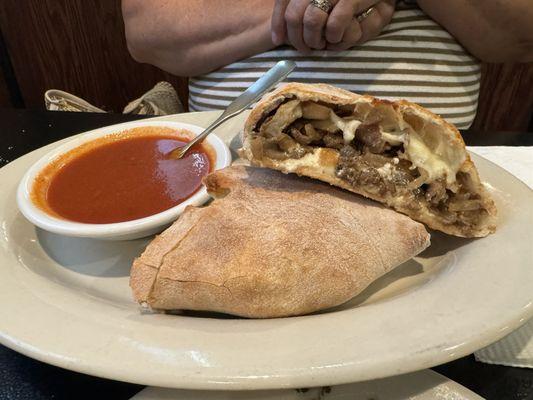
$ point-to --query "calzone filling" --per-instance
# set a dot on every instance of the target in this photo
(400, 159)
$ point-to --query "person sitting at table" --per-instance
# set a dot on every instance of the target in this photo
(427, 52)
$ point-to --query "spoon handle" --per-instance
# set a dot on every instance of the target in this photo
(270, 79)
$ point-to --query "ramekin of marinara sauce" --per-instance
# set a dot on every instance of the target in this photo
(122, 176)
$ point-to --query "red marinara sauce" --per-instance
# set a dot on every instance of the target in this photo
(122, 177)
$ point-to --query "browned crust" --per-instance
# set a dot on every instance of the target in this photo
(332, 95)
(274, 245)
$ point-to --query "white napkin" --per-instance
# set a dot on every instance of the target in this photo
(516, 349)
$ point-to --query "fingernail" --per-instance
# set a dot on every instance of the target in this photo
(275, 39)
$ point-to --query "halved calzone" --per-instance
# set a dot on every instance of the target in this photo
(397, 153)
(272, 245)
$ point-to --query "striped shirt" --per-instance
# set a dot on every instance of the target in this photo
(414, 58)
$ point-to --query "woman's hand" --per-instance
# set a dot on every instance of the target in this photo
(306, 27)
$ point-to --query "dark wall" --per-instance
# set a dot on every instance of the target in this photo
(506, 100)
(79, 46)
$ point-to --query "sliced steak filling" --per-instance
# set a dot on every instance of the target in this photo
(373, 154)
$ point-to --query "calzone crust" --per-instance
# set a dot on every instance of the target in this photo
(397, 153)
(272, 245)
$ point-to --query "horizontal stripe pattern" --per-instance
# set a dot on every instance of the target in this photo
(413, 59)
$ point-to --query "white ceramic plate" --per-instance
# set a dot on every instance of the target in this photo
(66, 301)
(422, 385)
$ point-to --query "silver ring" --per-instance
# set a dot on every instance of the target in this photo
(361, 17)
(324, 5)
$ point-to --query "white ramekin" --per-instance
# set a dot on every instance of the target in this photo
(122, 230)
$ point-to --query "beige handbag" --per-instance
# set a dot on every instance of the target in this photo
(162, 99)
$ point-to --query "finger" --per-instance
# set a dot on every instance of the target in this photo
(294, 19)
(341, 17)
(314, 24)
(351, 37)
(279, 32)
(369, 28)
(372, 25)
(363, 5)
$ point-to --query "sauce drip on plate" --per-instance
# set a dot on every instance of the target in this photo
(126, 179)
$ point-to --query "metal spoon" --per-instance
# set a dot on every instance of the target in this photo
(271, 78)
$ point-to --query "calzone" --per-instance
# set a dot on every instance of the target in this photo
(272, 245)
(397, 153)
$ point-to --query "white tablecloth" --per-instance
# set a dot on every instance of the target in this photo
(516, 349)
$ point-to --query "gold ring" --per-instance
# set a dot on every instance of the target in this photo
(361, 17)
(324, 5)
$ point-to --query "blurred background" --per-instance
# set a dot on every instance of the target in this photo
(78, 46)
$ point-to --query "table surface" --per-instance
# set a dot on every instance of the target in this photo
(22, 131)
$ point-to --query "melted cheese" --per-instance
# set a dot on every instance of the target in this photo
(348, 127)
(386, 171)
(312, 160)
(392, 138)
(421, 156)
